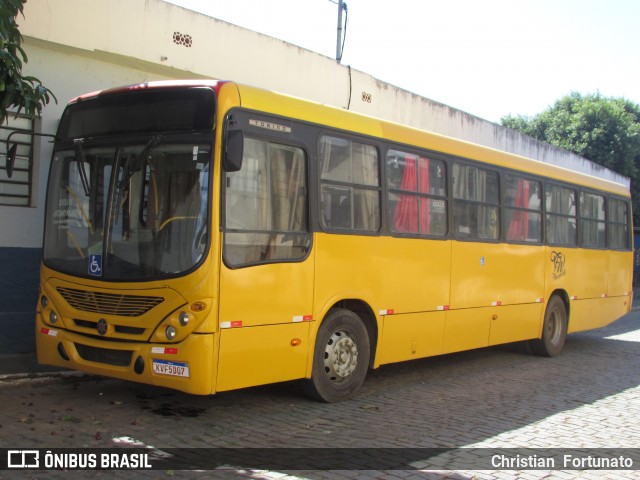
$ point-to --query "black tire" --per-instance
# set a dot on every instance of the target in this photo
(340, 358)
(554, 329)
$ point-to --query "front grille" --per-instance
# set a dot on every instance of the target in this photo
(109, 303)
(118, 328)
(118, 358)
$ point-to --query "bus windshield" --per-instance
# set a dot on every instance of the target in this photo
(128, 211)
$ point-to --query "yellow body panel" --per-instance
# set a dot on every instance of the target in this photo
(586, 273)
(492, 301)
(620, 273)
(512, 323)
(401, 275)
(275, 293)
(596, 282)
(593, 313)
(261, 355)
(412, 335)
(466, 329)
(588, 313)
(486, 274)
(404, 282)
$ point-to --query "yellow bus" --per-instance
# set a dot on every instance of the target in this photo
(207, 236)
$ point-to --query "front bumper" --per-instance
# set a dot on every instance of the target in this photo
(188, 366)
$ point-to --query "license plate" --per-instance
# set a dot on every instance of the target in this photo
(175, 369)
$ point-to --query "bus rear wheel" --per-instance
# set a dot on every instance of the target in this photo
(554, 329)
(340, 358)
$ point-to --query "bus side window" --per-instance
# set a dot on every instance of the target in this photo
(523, 206)
(266, 205)
(561, 215)
(592, 220)
(618, 224)
(350, 185)
(416, 200)
(476, 212)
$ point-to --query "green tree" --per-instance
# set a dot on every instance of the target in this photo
(17, 92)
(603, 130)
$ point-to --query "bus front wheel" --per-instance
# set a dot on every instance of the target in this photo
(554, 329)
(340, 358)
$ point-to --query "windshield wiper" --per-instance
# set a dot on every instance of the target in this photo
(80, 161)
(133, 164)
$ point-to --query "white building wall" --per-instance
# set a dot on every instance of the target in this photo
(142, 32)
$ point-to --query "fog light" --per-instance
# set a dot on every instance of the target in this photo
(170, 332)
(44, 301)
(53, 317)
(62, 352)
(138, 367)
(184, 318)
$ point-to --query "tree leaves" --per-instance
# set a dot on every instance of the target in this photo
(17, 92)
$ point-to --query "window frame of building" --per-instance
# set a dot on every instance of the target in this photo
(17, 190)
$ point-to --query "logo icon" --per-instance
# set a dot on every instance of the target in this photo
(95, 264)
(103, 326)
(559, 261)
(23, 459)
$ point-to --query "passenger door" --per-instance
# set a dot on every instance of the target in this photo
(266, 280)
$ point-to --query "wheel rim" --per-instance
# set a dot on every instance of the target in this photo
(554, 328)
(340, 356)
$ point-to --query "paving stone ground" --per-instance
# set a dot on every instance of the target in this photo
(488, 399)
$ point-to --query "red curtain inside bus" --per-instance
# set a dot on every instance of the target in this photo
(407, 213)
(519, 225)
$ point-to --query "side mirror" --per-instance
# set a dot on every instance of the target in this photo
(234, 145)
(11, 159)
(12, 150)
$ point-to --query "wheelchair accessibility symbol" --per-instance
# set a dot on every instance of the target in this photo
(95, 265)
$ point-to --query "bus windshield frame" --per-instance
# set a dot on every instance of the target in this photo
(129, 195)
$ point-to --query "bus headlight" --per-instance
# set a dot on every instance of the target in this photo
(183, 318)
(53, 317)
(44, 302)
(170, 332)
